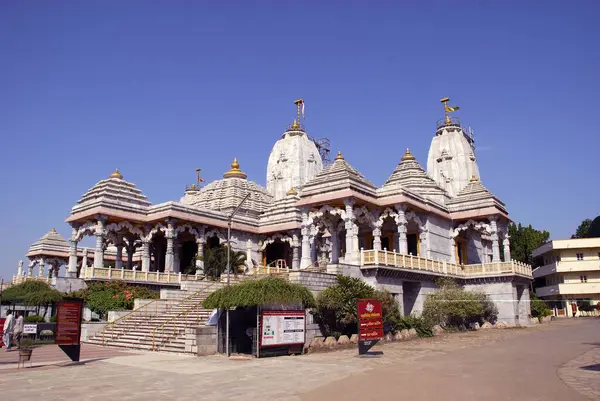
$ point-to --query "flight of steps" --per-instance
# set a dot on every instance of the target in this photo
(165, 331)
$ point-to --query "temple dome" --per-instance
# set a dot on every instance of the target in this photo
(113, 192)
(409, 175)
(51, 244)
(293, 162)
(226, 194)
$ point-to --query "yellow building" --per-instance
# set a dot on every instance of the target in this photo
(569, 271)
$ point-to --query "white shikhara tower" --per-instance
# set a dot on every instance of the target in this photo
(294, 160)
(451, 161)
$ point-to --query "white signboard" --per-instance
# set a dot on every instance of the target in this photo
(29, 328)
(282, 328)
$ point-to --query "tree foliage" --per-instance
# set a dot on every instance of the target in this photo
(594, 230)
(102, 297)
(582, 229)
(336, 312)
(454, 306)
(215, 261)
(523, 240)
(31, 293)
(263, 292)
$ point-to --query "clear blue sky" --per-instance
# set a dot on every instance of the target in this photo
(159, 88)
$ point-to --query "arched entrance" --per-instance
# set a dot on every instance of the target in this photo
(277, 250)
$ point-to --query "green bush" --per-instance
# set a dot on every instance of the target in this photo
(53, 319)
(102, 297)
(539, 308)
(336, 306)
(35, 319)
(423, 328)
(454, 306)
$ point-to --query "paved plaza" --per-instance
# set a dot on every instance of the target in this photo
(559, 361)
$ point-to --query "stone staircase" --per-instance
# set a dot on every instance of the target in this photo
(163, 325)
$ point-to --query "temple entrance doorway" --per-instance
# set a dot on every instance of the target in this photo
(277, 250)
(188, 250)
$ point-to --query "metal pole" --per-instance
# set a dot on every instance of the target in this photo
(229, 221)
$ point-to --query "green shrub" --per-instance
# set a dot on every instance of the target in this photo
(455, 306)
(336, 306)
(423, 328)
(35, 319)
(539, 308)
(102, 297)
(53, 319)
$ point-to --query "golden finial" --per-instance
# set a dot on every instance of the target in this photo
(300, 110)
(292, 191)
(116, 174)
(407, 156)
(339, 156)
(474, 179)
(53, 230)
(448, 109)
(235, 171)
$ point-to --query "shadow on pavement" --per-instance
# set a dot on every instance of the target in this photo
(594, 368)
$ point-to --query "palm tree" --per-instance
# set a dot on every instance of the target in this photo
(215, 261)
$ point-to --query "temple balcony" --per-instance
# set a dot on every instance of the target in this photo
(373, 258)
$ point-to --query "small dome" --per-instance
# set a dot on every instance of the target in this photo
(116, 174)
(407, 156)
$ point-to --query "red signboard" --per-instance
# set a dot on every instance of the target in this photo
(2, 332)
(370, 319)
(68, 322)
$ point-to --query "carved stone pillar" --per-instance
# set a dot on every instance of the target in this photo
(170, 255)
(84, 263)
(295, 253)
(495, 240)
(200, 256)
(177, 257)
(99, 251)
(423, 248)
(119, 260)
(377, 239)
(401, 224)
(72, 269)
(335, 246)
(305, 260)
(20, 268)
(506, 244)
(145, 255)
(349, 226)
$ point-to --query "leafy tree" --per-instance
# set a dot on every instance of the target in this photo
(456, 307)
(31, 293)
(336, 306)
(582, 229)
(523, 240)
(594, 230)
(215, 261)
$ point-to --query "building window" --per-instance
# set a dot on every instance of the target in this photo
(580, 256)
(562, 279)
(598, 255)
(558, 258)
(583, 279)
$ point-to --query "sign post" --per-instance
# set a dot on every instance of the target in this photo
(282, 330)
(370, 324)
(68, 327)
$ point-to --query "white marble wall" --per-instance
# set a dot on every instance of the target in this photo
(439, 240)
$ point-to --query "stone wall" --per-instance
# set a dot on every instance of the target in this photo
(504, 296)
(314, 281)
(439, 241)
(206, 340)
(474, 247)
(88, 330)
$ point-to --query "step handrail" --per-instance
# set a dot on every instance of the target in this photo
(184, 313)
(116, 321)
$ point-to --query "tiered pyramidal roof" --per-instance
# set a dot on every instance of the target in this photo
(475, 196)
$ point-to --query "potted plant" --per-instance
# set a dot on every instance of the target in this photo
(26, 350)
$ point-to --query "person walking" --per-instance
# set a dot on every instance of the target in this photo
(18, 329)
(9, 325)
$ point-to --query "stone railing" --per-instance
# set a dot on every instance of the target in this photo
(22, 279)
(103, 273)
(373, 257)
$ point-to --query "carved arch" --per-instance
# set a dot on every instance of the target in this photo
(86, 228)
(116, 227)
(262, 245)
(158, 227)
(476, 225)
(198, 232)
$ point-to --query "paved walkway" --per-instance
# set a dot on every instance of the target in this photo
(516, 364)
